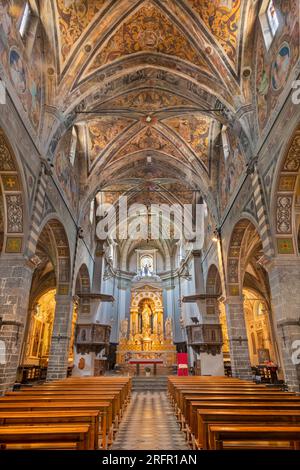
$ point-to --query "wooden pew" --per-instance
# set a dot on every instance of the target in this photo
(16, 436)
(103, 408)
(256, 417)
(102, 397)
(241, 435)
(193, 406)
(90, 417)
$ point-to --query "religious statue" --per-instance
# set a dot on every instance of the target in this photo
(146, 319)
(168, 327)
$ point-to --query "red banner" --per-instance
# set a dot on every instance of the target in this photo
(182, 364)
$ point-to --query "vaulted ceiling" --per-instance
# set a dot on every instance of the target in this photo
(148, 84)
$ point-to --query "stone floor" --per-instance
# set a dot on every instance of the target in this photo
(149, 424)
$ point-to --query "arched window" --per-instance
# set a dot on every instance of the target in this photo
(25, 20)
(269, 22)
(92, 210)
(146, 264)
(73, 146)
(225, 143)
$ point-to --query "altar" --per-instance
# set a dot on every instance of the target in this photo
(146, 337)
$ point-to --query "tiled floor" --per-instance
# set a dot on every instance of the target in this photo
(149, 424)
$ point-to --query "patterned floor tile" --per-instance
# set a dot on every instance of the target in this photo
(149, 424)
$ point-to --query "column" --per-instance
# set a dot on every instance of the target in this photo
(98, 269)
(15, 283)
(60, 340)
(284, 278)
(238, 341)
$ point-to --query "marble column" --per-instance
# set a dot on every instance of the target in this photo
(60, 340)
(238, 341)
(15, 283)
(284, 278)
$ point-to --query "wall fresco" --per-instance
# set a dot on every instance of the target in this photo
(273, 67)
(67, 174)
(22, 70)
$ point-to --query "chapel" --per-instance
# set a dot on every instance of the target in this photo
(149, 224)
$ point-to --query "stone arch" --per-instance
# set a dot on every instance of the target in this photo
(12, 209)
(61, 253)
(244, 239)
(286, 199)
(147, 294)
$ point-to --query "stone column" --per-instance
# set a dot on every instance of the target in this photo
(284, 278)
(60, 340)
(238, 341)
(15, 283)
(98, 268)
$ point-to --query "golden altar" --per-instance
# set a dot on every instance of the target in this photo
(148, 336)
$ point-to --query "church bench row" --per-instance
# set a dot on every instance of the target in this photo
(18, 418)
(23, 436)
(97, 402)
(201, 401)
(194, 404)
(287, 436)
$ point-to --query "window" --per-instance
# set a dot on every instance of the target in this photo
(147, 263)
(269, 22)
(92, 209)
(272, 18)
(225, 143)
(73, 146)
(25, 20)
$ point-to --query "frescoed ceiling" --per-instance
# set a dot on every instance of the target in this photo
(149, 85)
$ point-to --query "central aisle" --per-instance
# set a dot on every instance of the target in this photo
(149, 424)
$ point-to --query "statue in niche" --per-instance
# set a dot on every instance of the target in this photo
(168, 328)
(146, 319)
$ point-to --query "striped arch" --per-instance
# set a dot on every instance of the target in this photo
(12, 200)
(244, 239)
(61, 250)
(286, 198)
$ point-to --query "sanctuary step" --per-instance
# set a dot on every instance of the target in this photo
(142, 384)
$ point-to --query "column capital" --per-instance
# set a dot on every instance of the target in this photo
(196, 253)
(279, 262)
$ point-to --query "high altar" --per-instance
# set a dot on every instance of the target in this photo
(148, 338)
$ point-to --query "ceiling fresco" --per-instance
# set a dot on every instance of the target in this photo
(102, 131)
(73, 19)
(148, 81)
(194, 130)
(223, 19)
(148, 30)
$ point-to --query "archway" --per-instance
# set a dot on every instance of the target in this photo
(49, 300)
(245, 271)
(216, 309)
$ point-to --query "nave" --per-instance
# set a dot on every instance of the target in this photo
(198, 413)
(149, 423)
